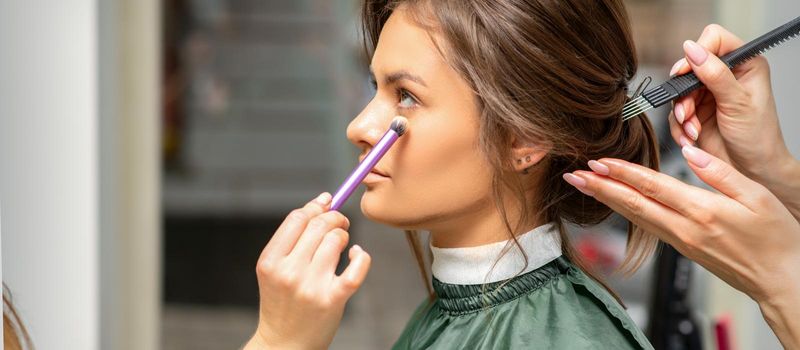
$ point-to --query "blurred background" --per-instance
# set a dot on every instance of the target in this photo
(148, 150)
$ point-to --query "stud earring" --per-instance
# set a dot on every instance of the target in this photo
(527, 160)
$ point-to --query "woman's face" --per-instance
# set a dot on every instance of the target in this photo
(435, 173)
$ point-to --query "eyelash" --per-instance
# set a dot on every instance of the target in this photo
(402, 93)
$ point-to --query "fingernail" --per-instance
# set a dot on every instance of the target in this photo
(323, 198)
(696, 53)
(680, 113)
(683, 141)
(598, 167)
(578, 182)
(357, 248)
(691, 130)
(696, 156)
(677, 66)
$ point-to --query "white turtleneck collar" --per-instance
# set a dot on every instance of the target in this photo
(473, 265)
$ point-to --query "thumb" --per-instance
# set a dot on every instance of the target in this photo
(720, 175)
(717, 77)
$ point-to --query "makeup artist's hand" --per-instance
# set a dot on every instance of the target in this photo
(734, 116)
(302, 299)
(743, 234)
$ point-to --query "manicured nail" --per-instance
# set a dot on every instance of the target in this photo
(578, 182)
(357, 248)
(680, 113)
(696, 156)
(598, 167)
(696, 53)
(683, 141)
(323, 198)
(677, 66)
(691, 130)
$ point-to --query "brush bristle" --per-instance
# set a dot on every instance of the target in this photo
(399, 125)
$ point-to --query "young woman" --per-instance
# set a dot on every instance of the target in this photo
(503, 99)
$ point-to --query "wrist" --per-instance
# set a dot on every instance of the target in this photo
(260, 342)
(263, 339)
(783, 180)
(781, 310)
(255, 343)
(789, 171)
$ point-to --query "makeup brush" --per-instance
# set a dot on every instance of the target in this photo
(396, 129)
(682, 85)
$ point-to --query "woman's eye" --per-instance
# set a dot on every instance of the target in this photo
(406, 99)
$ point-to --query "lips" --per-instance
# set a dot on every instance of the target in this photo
(375, 169)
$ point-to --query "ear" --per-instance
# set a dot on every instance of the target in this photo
(527, 153)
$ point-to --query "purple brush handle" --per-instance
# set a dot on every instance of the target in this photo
(363, 169)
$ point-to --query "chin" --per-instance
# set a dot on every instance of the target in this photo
(380, 208)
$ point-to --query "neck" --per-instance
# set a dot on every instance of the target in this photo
(478, 227)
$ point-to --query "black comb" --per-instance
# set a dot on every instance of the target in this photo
(682, 85)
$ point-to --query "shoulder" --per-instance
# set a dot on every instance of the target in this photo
(581, 313)
(567, 310)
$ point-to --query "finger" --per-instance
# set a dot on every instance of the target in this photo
(680, 68)
(327, 255)
(691, 128)
(686, 104)
(722, 176)
(676, 130)
(705, 108)
(317, 228)
(679, 110)
(652, 216)
(660, 187)
(355, 273)
(290, 229)
(718, 40)
(717, 77)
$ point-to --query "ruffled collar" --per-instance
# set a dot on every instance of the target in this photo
(476, 265)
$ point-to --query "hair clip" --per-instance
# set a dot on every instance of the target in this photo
(642, 86)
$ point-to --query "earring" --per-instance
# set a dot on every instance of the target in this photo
(527, 160)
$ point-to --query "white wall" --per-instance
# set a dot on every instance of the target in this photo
(48, 168)
(129, 168)
(785, 71)
(79, 170)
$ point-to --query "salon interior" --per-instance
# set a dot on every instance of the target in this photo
(170, 120)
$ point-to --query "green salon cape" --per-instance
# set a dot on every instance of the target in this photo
(556, 306)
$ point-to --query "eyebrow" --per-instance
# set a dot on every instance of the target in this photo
(400, 75)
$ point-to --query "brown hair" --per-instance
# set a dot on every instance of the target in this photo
(552, 71)
(15, 337)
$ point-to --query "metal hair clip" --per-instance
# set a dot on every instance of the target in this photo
(642, 86)
(629, 110)
(682, 85)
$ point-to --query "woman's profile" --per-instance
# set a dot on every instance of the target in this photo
(503, 98)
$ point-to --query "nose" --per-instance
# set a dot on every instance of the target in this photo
(367, 128)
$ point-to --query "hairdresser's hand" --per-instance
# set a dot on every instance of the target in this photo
(302, 299)
(734, 116)
(743, 234)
